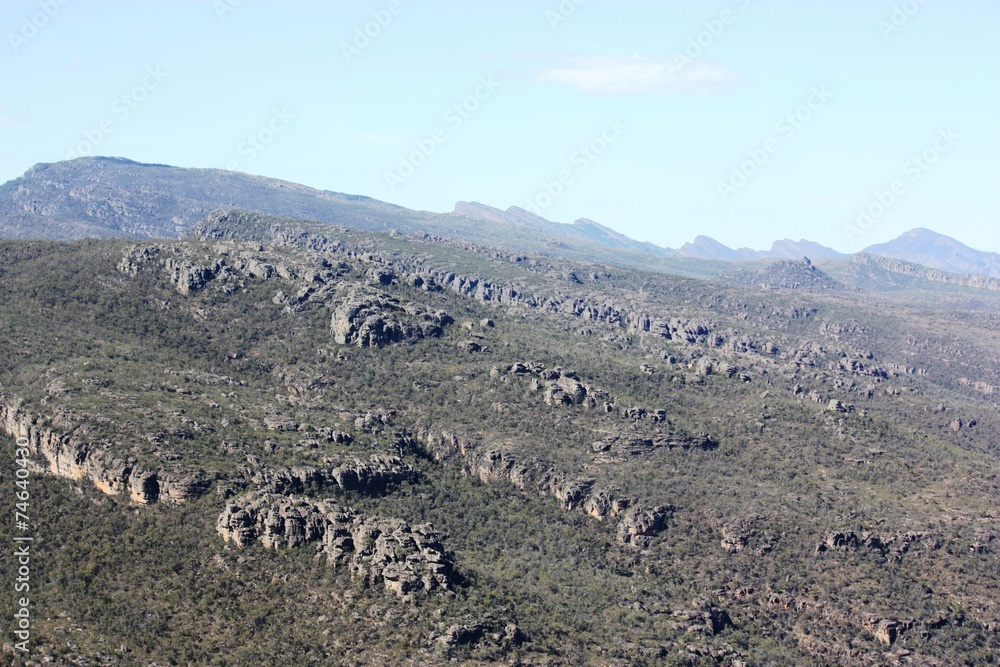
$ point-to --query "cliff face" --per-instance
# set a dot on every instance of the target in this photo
(68, 456)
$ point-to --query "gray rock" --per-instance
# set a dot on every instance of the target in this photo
(380, 551)
(639, 524)
(462, 635)
(376, 320)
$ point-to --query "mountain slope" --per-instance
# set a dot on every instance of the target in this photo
(112, 197)
(586, 231)
(788, 249)
(285, 442)
(704, 247)
(924, 246)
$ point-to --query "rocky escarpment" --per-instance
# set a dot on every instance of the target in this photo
(229, 265)
(362, 316)
(909, 269)
(489, 465)
(366, 318)
(372, 320)
(415, 271)
(403, 559)
(689, 335)
(372, 477)
(644, 431)
(889, 546)
(68, 455)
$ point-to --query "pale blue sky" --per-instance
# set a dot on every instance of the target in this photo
(278, 71)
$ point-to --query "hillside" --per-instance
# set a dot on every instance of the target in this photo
(274, 441)
(936, 251)
(118, 198)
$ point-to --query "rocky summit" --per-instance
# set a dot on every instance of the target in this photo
(266, 440)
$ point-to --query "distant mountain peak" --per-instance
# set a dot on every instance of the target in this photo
(937, 251)
(477, 211)
(117, 197)
(705, 247)
(591, 226)
(788, 249)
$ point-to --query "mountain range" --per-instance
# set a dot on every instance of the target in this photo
(114, 197)
(363, 435)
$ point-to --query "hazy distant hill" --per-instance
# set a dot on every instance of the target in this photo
(937, 251)
(708, 248)
(872, 273)
(115, 197)
(584, 230)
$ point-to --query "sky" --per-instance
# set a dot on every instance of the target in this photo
(847, 123)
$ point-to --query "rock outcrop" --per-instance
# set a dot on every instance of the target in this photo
(70, 457)
(786, 274)
(372, 477)
(639, 524)
(701, 617)
(190, 269)
(529, 473)
(386, 551)
(372, 319)
(890, 546)
(466, 634)
(621, 446)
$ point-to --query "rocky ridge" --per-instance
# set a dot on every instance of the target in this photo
(386, 551)
(69, 455)
(489, 465)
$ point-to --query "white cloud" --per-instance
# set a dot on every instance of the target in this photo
(637, 75)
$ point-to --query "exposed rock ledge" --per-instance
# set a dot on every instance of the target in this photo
(637, 524)
(373, 477)
(404, 559)
(65, 455)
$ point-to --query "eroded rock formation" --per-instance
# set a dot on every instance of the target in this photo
(386, 551)
(69, 456)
